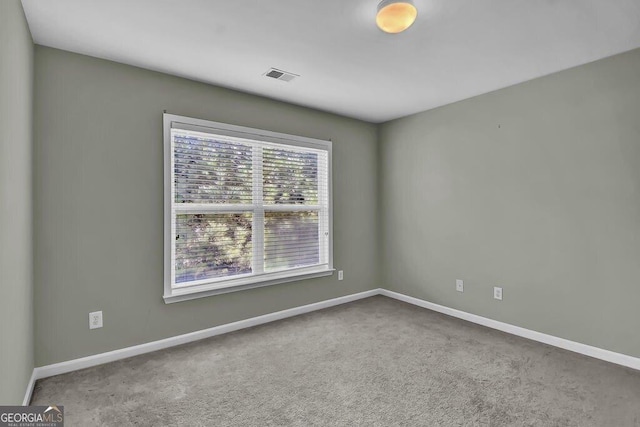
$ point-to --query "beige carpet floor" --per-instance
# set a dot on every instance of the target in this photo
(374, 362)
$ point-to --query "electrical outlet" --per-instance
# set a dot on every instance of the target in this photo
(340, 275)
(459, 285)
(497, 293)
(95, 320)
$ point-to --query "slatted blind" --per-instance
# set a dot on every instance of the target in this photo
(243, 207)
(210, 171)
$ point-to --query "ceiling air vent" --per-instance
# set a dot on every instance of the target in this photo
(285, 76)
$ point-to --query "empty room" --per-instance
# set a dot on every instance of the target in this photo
(319, 213)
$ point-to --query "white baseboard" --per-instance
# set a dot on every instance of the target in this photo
(29, 392)
(587, 350)
(111, 356)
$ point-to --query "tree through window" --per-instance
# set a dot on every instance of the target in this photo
(245, 206)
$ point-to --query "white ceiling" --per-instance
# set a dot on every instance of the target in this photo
(456, 49)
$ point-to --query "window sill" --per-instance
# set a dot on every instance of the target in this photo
(186, 294)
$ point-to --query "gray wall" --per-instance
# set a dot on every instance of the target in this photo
(99, 211)
(535, 188)
(16, 285)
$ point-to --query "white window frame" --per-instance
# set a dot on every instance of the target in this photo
(207, 287)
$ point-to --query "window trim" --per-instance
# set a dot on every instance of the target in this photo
(233, 284)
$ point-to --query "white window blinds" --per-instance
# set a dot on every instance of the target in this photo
(246, 207)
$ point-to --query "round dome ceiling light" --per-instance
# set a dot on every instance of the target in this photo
(395, 16)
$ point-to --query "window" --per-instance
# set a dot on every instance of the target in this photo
(243, 208)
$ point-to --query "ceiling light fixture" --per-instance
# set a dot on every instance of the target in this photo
(395, 16)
